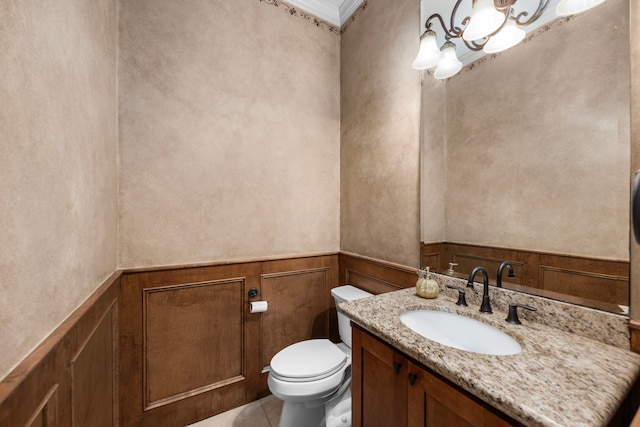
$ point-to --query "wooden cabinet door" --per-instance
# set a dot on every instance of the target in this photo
(379, 387)
(433, 402)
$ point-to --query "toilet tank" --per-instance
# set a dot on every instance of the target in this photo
(343, 294)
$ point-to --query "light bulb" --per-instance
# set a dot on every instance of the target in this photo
(449, 64)
(508, 36)
(573, 7)
(428, 55)
(485, 19)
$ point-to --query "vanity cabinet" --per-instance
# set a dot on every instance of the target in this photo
(389, 389)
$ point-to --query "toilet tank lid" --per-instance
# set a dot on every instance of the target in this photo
(349, 293)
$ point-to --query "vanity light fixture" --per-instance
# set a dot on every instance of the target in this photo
(508, 36)
(449, 64)
(429, 54)
(485, 20)
(493, 26)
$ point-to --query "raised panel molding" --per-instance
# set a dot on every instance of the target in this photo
(430, 259)
(468, 262)
(96, 362)
(374, 275)
(183, 324)
(600, 287)
(593, 282)
(369, 283)
(47, 413)
(298, 308)
(197, 317)
(70, 379)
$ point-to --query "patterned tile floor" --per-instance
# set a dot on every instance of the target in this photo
(261, 413)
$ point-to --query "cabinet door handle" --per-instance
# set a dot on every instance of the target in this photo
(412, 378)
(396, 367)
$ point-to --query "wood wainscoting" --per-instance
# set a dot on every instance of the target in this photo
(71, 379)
(375, 276)
(171, 346)
(191, 348)
(593, 282)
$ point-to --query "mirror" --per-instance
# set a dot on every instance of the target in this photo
(525, 157)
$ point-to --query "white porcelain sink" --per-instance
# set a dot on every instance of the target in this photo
(460, 332)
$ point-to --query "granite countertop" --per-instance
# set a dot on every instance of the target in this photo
(559, 379)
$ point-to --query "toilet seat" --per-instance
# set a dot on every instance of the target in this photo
(308, 361)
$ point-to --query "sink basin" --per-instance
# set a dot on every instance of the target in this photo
(460, 332)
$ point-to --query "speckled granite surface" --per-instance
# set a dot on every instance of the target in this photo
(599, 325)
(559, 379)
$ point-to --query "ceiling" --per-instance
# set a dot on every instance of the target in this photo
(335, 12)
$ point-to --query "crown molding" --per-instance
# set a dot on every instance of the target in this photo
(335, 12)
(347, 8)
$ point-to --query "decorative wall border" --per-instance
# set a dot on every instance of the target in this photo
(320, 23)
(353, 16)
(302, 14)
(537, 32)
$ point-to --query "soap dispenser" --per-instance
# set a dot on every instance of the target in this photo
(426, 286)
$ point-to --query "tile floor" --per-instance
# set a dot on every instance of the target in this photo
(261, 413)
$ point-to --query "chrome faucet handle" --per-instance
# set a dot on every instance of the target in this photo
(462, 300)
(512, 317)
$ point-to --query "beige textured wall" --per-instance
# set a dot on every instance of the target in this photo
(634, 24)
(538, 142)
(433, 151)
(58, 163)
(230, 133)
(380, 133)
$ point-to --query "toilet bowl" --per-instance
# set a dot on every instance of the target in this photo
(313, 377)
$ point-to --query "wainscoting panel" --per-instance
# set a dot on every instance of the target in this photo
(298, 307)
(47, 413)
(593, 282)
(431, 256)
(599, 287)
(375, 276)
(183, 353)
(97, 363)
(70, 379)
(183, 326)
(467, 262)
(191, 348)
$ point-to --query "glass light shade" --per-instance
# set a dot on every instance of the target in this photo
(449, 64)
(485, 19)
(428, 55)
(508, 36)
(572, 7)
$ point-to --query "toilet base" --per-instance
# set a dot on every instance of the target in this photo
(338, 411)
(335, 413)
(298, 414)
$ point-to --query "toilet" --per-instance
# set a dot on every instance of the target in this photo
(313, 377)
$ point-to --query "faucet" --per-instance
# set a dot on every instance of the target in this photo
(486, 305)
(500, 269)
